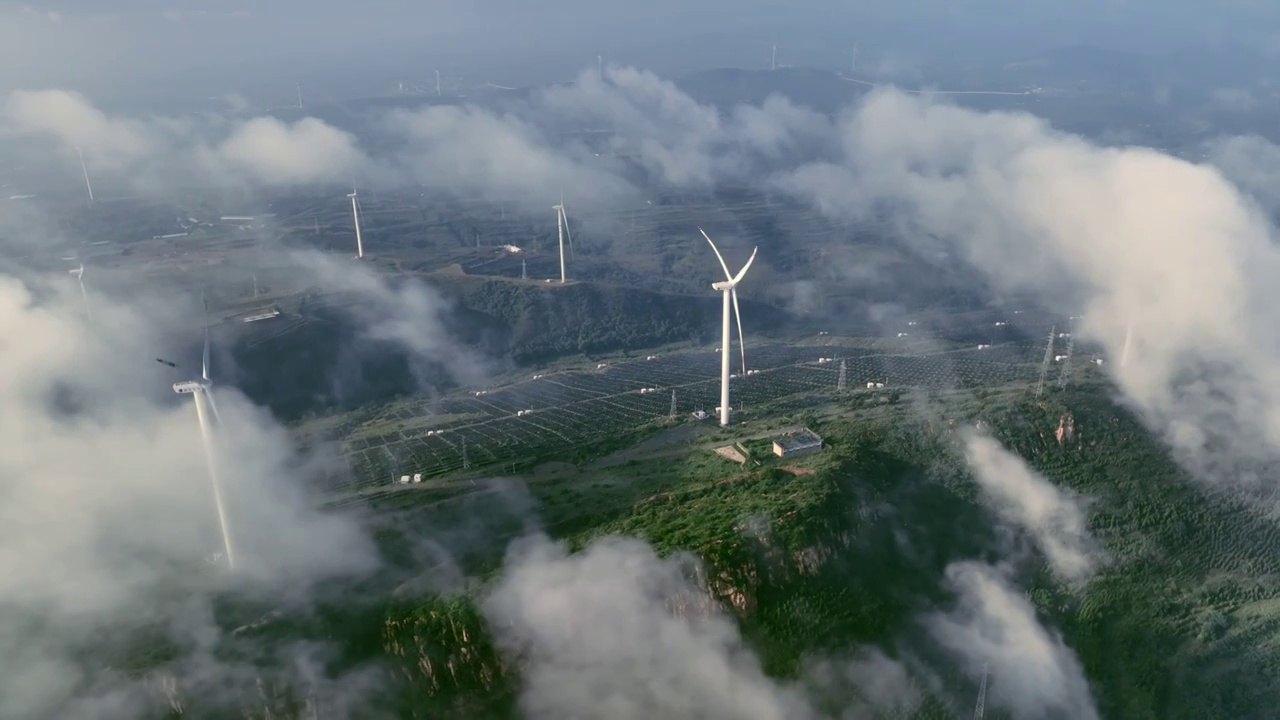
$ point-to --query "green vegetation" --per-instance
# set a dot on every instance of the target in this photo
(819, 555)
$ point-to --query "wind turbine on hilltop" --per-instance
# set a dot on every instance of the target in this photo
(355, 217)
(84, 296)
(562, 229)
(729, 288)
(202, 392)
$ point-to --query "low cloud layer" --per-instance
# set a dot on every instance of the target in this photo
(1022, 497)
(616, 631)
(1034, 674)
(107, 519)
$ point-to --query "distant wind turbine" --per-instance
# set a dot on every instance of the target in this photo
(84, 296)
(355, 217)
(729, 288)
(562, 228)
(299, 96)
(600, 65)
(1128, 342)
(773, 63)
(202, 392)
(438, 91)
(85, 169)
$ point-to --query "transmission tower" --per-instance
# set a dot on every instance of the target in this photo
(981, 707)
(844, 377)
(1048, 358)
(1065, 375)
(673, 403)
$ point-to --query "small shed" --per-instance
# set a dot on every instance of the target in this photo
(797, 443)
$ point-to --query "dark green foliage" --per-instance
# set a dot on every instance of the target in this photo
(1183, 621)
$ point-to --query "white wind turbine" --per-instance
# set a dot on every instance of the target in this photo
(355, 217)
(84, 296)
(202, 392)
(85, 169)
(562, 230)
(729, 288)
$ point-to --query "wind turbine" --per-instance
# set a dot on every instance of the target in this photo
(201, 392)
(84, 169)
(562, 229)
(729, 288)
(773, 62)
(1128, 342)
(355, 217)
(438, 92)
(84, 296)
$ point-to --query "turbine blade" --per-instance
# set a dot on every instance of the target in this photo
(727, 275)
(743, 271)
(213, 407)
(742, 342)
(204, 371)
(568, 235)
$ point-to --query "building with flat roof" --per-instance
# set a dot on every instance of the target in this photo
(797, 443)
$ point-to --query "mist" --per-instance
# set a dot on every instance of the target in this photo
(153, 51)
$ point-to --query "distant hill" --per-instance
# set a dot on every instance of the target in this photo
(820, 90)
(316, 360)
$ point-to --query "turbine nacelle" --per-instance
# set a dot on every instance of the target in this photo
(188, 387)
(723, 285)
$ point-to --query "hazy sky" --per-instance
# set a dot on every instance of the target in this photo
(151, 47)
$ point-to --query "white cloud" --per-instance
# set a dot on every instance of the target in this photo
(1129, 234)
(614, 631)
(1034, 674)
(1022, 497)
(272, 152)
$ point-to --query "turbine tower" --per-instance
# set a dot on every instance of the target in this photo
(562, 230)
(355, 217)
(84, 169)
(84, 296)
(729, 288)
(1128, 342)
(438, 91)
(206, 409)
(773, 63)
(299, 96)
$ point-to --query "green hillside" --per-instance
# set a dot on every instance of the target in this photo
(843, 549)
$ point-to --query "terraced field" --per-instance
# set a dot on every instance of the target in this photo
(551, 412)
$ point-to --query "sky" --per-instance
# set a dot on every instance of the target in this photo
(149, 48)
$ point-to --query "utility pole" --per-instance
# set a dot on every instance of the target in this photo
(673, 403)
(466, 462)
(1048, 358)
(844, 377)
(255, 285)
